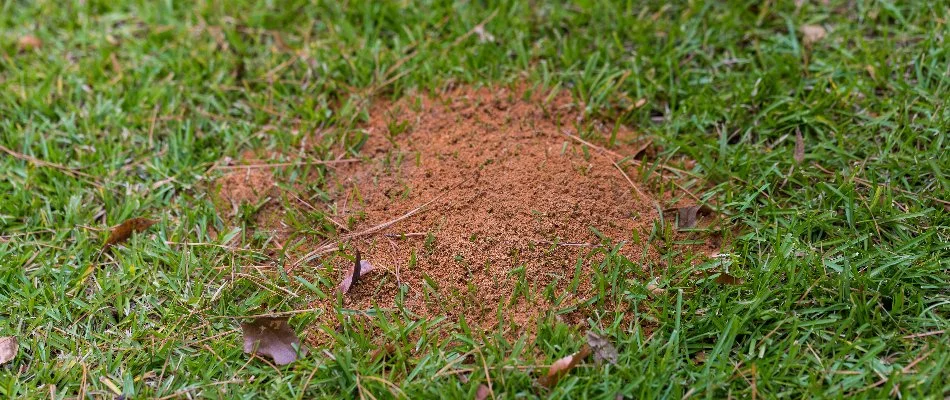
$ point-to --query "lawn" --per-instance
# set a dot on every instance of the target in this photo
(818, 131)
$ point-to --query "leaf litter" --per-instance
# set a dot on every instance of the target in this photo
(124, 231)
(8, 349)
(483, 392)
(272, 337)
(811, 34)
(359, 268)
(602, 348)
(563, 366)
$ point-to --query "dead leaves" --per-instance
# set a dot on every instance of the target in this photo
(811, 34)
(483, 392)
(124, 231)
(272, 336)
(688, 215)
(359, 268)
(603, 349)
(29, 42)
(726, 279)
(8, 349)
(563, 366)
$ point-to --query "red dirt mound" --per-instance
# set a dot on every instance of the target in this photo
(512, 202)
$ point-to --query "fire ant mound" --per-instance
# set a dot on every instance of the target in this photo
(475, 201)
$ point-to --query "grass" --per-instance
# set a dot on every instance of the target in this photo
(127, 104)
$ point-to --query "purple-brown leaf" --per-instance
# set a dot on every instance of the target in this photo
(8, 349)
(603, 349)
(273, 337)
(483, 392)
(359, 268)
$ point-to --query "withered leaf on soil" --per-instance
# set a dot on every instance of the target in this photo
(812, 34)
(726, 279)
(8, 348)
(29, 42)
(272, 336)
(383, 351)
(124, 231)
(603, 349)
(563, 366)
(359, 268)
(689, 214)
(799, 147)
(483, 392)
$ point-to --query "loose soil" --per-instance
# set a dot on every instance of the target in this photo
(517, 206)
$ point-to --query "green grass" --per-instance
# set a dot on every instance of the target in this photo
(845, 257)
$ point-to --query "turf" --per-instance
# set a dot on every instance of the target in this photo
(126, 105)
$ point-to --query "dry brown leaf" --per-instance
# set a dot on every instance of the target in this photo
(563, 366)
(483, 35)
(124, 231)
(726, 279)
(483, 392)
(272, 336)
(811, 34)
(688, 216)
(29, 42)
(603, 349)
(359, 268)
(799, 146)
(8, 348)
(654, 289)
(383, 351)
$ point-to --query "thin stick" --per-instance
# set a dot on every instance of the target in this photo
(332, 245)
(925, 334)
(286, 164)
(40, 163)
(868, 183)
(637, 163)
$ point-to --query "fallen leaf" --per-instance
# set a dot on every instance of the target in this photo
(799, 146)
(483, 35)
(359, 268)
(726, 279)
(563, 366)
(8, 348)
(700, 357)
(603, 349)
(272, 336)
(483, 392)
(639, 103)
(124, 231)
(383, 352)
(687, 216)
(655, 289)
(811, 34)
(29, 42)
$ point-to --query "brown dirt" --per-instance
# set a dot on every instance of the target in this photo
(506, 184)
(509, 184)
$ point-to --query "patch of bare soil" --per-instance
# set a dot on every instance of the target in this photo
(514, 207)
(515, 203)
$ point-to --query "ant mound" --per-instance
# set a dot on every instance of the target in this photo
(486, 204)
